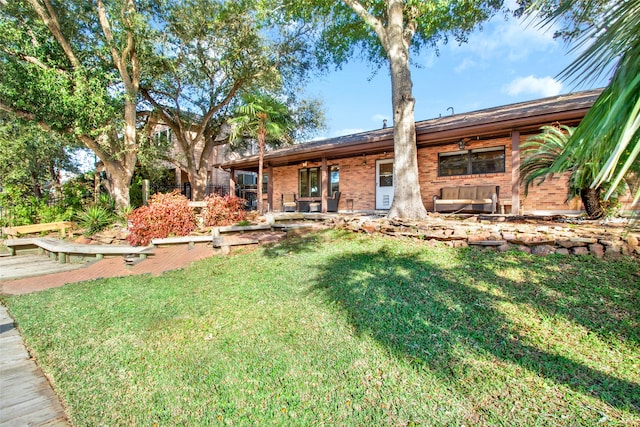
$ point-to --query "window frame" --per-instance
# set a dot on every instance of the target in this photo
(318, 175)
(469, 160)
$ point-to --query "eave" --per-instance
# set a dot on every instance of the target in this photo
(525, 117)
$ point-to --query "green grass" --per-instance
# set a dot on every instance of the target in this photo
(346, 329)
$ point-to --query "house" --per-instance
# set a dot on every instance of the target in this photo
(469, 149)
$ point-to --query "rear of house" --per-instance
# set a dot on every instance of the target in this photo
(476, 149)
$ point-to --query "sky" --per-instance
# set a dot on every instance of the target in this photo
(508, 61)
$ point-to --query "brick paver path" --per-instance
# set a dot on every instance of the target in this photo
(165, 259)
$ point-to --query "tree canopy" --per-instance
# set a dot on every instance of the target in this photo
(390, 32)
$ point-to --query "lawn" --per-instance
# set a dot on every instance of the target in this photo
(336, 328)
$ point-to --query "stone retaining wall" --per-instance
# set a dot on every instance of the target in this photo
(528, 235)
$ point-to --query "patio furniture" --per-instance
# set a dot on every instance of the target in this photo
(289, 202)
(467, 198)
(332, 203)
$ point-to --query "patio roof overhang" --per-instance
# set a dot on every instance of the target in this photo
(525, 117)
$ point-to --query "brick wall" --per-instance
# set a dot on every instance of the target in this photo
(357, 180)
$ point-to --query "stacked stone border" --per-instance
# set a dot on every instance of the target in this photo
(533, 236)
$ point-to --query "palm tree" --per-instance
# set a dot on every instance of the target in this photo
(540, 155)
(263, 118)
(608, 138)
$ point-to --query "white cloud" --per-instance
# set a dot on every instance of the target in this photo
(465, 64)
(539, 86)
(514, 39)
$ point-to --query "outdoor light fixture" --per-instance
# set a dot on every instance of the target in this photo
(364, 160)
(462, 143)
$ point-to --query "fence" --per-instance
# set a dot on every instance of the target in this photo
(185, 189)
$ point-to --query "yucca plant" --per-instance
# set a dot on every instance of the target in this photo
(95, 218)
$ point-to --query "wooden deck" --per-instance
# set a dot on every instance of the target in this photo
(26, 397)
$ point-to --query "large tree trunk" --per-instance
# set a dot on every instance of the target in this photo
(592, 202)
(119, 174)
(407, 201)
(198, 181)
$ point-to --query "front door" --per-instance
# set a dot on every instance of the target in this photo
(384, 184)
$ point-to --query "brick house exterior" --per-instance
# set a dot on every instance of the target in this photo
(500, 130)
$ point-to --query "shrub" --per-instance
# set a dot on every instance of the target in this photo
(166, 215)
(223, 210)
(95, 218)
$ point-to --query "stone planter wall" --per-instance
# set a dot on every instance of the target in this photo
(531, 236)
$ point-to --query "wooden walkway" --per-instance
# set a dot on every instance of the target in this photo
(26, 397)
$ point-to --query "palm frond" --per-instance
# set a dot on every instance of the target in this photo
(540, 154)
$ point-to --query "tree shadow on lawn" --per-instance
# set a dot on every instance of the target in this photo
(295, 243)
(424, 312)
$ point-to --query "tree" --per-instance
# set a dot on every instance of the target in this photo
(205, 53)
(608, 137)
(263, 118)
(31, 158)
(389, 32)
(75, 68)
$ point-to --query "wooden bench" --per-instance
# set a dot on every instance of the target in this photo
(60, 249)
(60, 227)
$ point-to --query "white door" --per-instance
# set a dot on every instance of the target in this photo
(384, 184)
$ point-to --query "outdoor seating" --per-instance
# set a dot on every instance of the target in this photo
(468, 198)
(332, 202)
(289, 202)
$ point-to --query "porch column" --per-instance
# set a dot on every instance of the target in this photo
(515, 172)
(232, 182)
(325, 184)
(270, 187)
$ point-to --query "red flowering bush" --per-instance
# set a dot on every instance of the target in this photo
(223, 210)
(166, 215)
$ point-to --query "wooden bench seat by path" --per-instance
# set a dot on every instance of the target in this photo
(61, 249)
(60, 226)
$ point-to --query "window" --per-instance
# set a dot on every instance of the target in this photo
(309, 182)
(334, 179)
(265, 183)
(468, 162)
(246, 179)
(162, 138)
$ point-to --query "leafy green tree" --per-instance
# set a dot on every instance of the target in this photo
(74, 67)
(608, 138)
(32, 159)
(389, 32)
(264, 119)
(205, 55)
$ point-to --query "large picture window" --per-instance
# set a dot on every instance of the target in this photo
(471, 162)
(309, 182)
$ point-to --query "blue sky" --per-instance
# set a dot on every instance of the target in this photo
(508, 61)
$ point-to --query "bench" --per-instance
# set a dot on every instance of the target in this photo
(60, 227)
(467, 198)
(61, 249)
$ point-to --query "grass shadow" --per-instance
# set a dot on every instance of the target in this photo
(429, 314)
